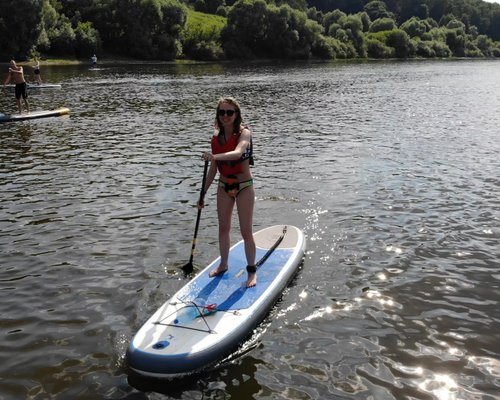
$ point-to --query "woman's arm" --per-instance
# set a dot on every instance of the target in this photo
(212, 171)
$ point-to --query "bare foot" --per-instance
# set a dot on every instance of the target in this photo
(217, 271)
(252, 280)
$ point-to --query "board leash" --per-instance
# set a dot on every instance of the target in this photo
(271, 250)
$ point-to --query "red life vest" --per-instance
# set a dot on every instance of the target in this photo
(232, 167)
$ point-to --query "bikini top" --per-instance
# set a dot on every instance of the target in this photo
(232, 167)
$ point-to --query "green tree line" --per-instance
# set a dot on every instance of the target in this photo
(249, 29)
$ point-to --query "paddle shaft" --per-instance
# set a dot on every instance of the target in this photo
(202, 195)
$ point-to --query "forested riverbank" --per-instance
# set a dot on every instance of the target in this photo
(249, 29)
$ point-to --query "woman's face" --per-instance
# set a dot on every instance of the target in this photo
(226, 113)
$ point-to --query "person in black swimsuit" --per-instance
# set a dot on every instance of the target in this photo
(17, 75)
(36, 70)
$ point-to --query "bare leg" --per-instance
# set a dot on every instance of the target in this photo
(225, 205)
(18, 102)
(245, 203)
(27, 105)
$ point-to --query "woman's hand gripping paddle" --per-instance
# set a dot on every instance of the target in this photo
(188, 268)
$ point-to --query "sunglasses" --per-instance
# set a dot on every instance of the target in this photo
(229, 113)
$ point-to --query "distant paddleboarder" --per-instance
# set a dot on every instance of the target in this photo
(94, 61)
(36, 70)
(16, 74)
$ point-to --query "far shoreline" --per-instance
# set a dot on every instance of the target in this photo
(131, 61)
(101, 61)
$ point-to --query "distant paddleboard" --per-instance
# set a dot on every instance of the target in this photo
(208, 318)
(33, 115)
(38, 86)
(44, 86)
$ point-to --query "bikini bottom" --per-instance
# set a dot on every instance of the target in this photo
(233, 187)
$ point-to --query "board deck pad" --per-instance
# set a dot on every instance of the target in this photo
(228, 290)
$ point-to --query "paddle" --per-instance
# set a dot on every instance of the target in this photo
(188, 268)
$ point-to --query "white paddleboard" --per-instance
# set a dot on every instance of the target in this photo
(37, 86)
(44, 86)
(178, 340)
(34, 114)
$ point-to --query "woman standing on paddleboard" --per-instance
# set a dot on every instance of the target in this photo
(232, 156)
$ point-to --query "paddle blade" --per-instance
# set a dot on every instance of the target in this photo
(188, 268)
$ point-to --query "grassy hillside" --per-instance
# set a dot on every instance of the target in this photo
(201, 38)
(204, 25)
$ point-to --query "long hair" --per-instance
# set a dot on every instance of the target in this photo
(237, 121)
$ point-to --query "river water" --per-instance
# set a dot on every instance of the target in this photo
(391, 169)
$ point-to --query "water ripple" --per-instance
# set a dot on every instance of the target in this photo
(389, 168)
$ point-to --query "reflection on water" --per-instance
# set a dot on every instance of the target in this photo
(389, 168)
